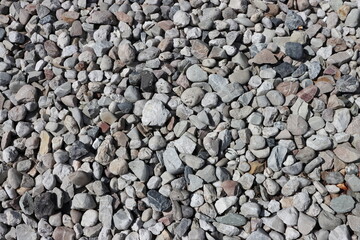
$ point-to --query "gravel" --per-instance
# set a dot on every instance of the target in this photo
(180, 119)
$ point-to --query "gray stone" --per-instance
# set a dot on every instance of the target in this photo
(289, 216)
(277, 157)
(342, 119)
(319, 142)
(192, 96)
(314, 69)
(328, 221)
(294, 50)
(122, 219)
(172, 162)
(274, 223)
(5, 79)
(154, 113)
(352, 19)
(347, 84)
(342, 204)
(25, 232)
(140, 169)
(158, 201)
(250, 209)
(230, 91)
(293, 21)
(83, 201)
(301, 201)
(297, 125)
(232, 219)
(305, 223)
(340, 232)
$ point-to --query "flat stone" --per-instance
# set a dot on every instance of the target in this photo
(122, 219)
(158, 201)
(232, 219)
(346, 153)
(352, 19)
(347, 84)
(294, 50)
(305, 223)
(328, 221)
(284, 69)
(250, 209)
(289, 216)
(83, 201)
(297, 125)
(264, 57)
(225, 203)
(319, 142)
(340, 232)
(308, 93)
(342, 204)
(196, 74)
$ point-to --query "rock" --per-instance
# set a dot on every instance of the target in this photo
(225, 203)
(308, 93)
(341, 231)
(140, 169)
(192, 96)
(126, 52)
(274, 223)
(118, 167)
(305, 223)
(61, 233)
(26, 93)
(264, 57)
(83, 201)
(232, 219)
(154, 113)
(250, 209)
(319, 142)
(341, 119)
(289, 216)
(352, 19)
(25, 232)
(297, 125)
(148, 54)
(102, 17)
(122, 219)
(172, 162)
(353, 222)
(5, 79)
(89, 218)
(293, 21)
(342, 204)
(294, 50)
(196, 74)
(44, 204)
(301, 201)
(181, 19)
(327, 221)
(16, 37)
(346, 153)
(182, 227)
(276, 158)
(105, 152)
(347, 84)
(284, 69)
(158, 201)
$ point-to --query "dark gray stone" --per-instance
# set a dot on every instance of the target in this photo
(294, 50)
(158, 201)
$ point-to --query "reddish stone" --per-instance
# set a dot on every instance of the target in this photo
(308, 93)
(121, 139)
(48, 74)
(264, 57)
(183, 81)
(167, 219)
(166, 24)
(123, 17)
(76, 29)
(231, 188)
(51, 48)
(333, 71)
(288, 88)
(63, 233)
(199, 49)
(70, 16)
(104, 127)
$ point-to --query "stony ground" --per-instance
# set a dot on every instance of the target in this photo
(179, 119)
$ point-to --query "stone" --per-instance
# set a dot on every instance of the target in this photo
(293, 21)
(341, 231)
(44, 204)
(301, 201)
(140, 169)
(89, 218)
(305, 223)
(284, 69)
(264, 57)
(346, 153)
(342, 119)
(225, 203)
(25, 232)
(353, 222)
(61, 233)
(294, 50)
(289, 216)
(347, 84)
(5, 79)
(319, 142)
(250, 209)
(102, 17)
(158, 201)
(232, 219)
(274, 223)
(192, 96)
(122, 219)
(154, 113)
(277, 157)
(196, 74)
(105, 152)
(126, 52)
(308, 93)
(328, 221)
(26, 93)
(83, 201)
(342, 204)
(352, 19)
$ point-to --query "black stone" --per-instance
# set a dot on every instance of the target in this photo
(148, 81)
(276, 22)
(134, 78)
(347, 84)
(284, 69)
(294, 50)
(158, 201)
(299, 71)
(293, 20)
(45, 205)
(78, 150)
